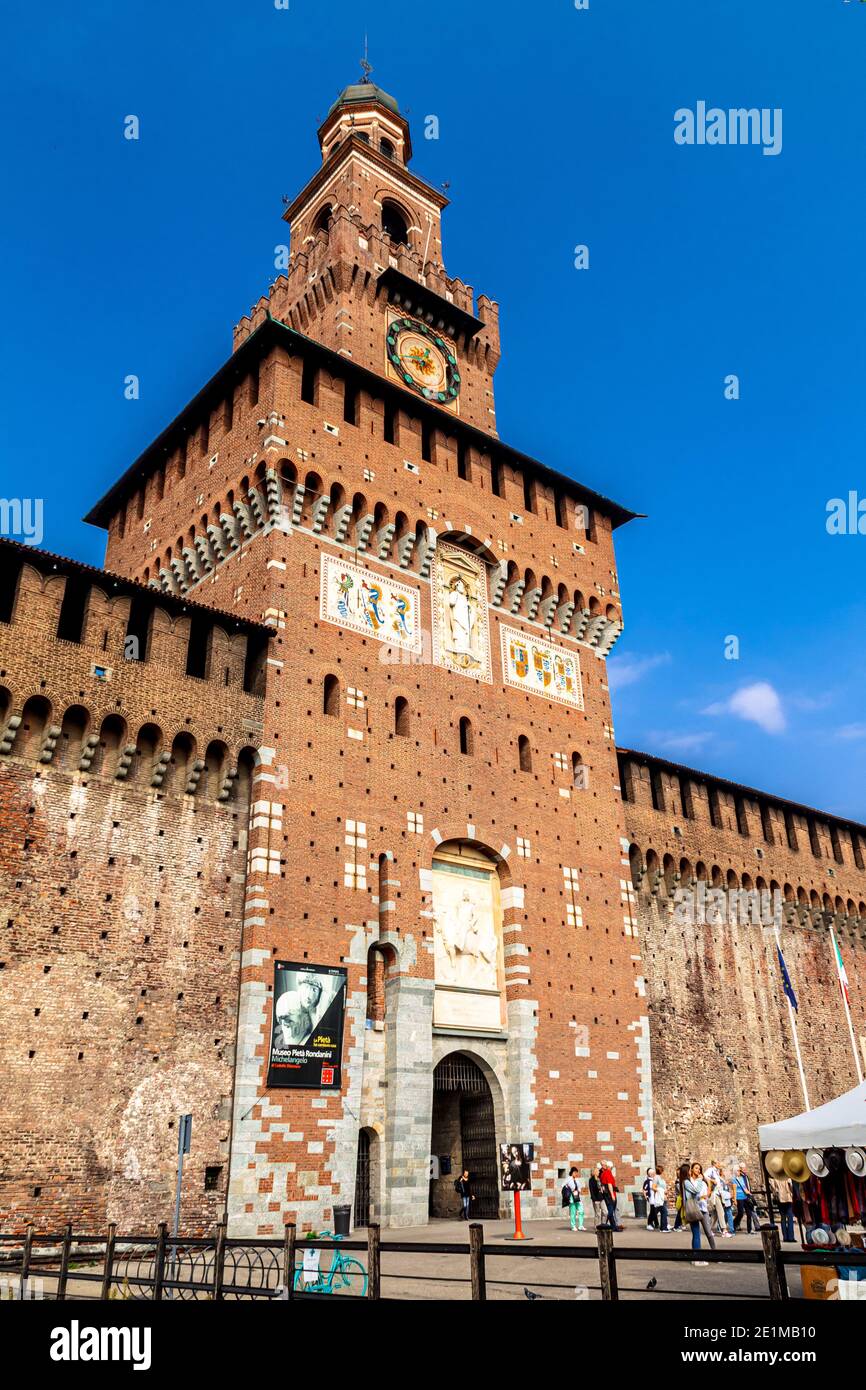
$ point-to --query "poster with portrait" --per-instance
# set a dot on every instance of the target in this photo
(515, 1166)
(307, 1026)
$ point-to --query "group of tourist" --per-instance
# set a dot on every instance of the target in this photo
(715, 1201)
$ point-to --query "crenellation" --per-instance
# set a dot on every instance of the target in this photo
(341, 697)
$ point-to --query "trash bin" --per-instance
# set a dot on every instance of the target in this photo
(639, 1205)
(342, 1219)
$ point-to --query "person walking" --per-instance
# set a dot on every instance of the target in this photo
(647, 1192)
(679, 1186)
(696, 1210)
(781, 1189)
(573, 1198)
(609, 1191)
(745, 1200)
(464, 1192)
(716, 1208)
(596, 1195)
(659, 1200)
(726, 1193)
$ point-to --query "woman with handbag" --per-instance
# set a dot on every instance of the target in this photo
(679, 1186)
(696, 1209)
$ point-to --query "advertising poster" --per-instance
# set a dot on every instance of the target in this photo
(514, 1167)
(307, 1027)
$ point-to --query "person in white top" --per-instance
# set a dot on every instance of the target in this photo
(659, 1198)
(713, 1179)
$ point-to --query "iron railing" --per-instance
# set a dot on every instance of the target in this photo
(157, 1267)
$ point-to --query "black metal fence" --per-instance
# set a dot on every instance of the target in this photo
(156, 1267)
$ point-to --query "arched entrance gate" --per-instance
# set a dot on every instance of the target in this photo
(463, 1136)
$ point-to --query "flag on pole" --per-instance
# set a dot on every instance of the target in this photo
(786, 979)
(843, 974)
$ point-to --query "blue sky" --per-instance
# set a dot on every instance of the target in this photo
(555, 129)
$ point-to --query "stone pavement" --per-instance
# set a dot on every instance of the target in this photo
(420, 1276)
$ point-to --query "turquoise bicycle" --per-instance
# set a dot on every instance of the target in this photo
(346, 1276)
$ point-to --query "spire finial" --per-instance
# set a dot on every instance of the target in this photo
(366, 67)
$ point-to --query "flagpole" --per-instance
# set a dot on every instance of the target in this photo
(794, 1029)
(837, 957)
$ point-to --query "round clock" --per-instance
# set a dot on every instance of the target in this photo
(423, 360)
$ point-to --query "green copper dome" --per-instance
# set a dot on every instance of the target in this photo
(364, 91)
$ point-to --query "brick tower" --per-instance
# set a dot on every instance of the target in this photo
(435, 805)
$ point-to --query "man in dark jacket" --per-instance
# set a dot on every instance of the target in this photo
(596, 1196)
(465, 1193)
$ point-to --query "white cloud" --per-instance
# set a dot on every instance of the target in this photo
(851, 731)
(758, 704)
(627, 670)
(684, 743)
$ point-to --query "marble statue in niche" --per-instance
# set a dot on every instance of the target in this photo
(460, 613)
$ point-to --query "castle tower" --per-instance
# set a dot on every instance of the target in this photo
(435, 811)
(366, 243)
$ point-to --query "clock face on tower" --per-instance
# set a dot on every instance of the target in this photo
(423, 361)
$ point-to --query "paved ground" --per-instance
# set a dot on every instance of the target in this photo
(447, 1276)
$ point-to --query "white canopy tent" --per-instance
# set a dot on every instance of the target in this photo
(840, 1122)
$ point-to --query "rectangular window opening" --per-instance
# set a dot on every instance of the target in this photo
(70, 626)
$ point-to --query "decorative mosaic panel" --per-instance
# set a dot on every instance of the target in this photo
(531, 663)
(461, 638)
(370, 603)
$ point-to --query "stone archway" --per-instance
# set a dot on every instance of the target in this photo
(464, 1135)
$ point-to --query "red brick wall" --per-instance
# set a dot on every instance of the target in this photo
(122, 908)
(723, 1059)
(584, 978)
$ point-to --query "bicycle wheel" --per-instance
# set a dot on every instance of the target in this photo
(315, 1286)
(352, 1278)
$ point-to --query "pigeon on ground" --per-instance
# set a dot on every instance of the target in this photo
(531, 1295)
(652, 1283)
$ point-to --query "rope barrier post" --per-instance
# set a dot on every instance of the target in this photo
(289, 1259)
(607, 1265)
(108, 1267)
(778, 1283)
(159, 1272)
(25, 1261)
(374, 1255)
(219, 1262)
(66, 1248)
(476, 1262)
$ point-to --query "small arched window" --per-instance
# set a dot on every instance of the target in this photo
(401, 717)
(394, 224)
(331, 697)
(524, 753)
(324, 218)
(466, 740)
(386, 148)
